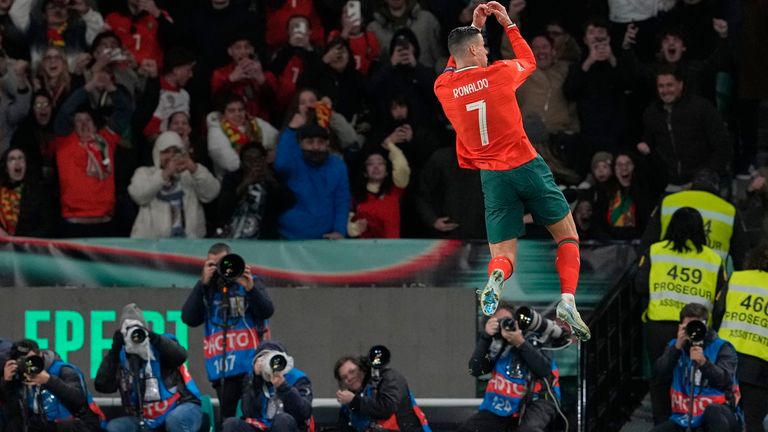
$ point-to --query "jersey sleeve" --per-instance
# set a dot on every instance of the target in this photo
(524, 63)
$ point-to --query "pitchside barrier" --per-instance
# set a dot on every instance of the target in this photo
(331, 298)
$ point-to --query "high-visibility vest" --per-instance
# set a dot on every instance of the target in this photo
(677, 279)
(718, 215)
(745, 322)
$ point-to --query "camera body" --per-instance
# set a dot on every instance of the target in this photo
(508, 324)
(273, 362)
(696, 331)
(29, 366)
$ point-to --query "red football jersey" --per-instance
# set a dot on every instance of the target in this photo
(481, 105)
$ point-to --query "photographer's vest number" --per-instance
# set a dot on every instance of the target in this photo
(703, 395)
(155, 412)
(677, 279)
(745, 322)
(53, 408)
(242, 336)
(509, 385)
(717, 213)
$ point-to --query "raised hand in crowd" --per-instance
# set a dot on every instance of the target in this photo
(516, 7)
(630, 36)
(643, 148)
(403, 56)
(721, 27)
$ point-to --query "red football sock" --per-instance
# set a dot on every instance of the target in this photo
(502, 263)
(567, 264)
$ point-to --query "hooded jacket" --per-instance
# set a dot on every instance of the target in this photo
(154, 219)
(423, 24)
(171, 357)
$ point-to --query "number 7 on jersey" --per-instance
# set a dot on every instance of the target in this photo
(481, 108)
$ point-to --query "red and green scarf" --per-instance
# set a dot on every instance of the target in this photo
(56, 35)
(10, 203)
(622, 211)
(239, 137)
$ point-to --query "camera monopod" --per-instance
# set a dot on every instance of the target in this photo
(696, 331)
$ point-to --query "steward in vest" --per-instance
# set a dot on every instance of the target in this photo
(726, 233)
(148, 370)
(676, 271)
(700, 377)
(276, 396)
(744, 311)
(39, 392)
(375, 398)
(524, 388)
(228, 344)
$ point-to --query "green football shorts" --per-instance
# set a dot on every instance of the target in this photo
(510, 194)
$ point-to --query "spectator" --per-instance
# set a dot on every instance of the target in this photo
(515, 9)
(14, 20)
(25, 207)
(294, 59)
(168, 396)
(229, 129)
(565, 46)
(70, 26)
(274, 400)
(375, 397)
(597, 84)
(513, 361)
(317, 179)
(624, 205)
(14, 102)
(714, 359)
(279, 14)
(143, 28)
(542, 93)
(743, 327)
(108, 55)
(252, 197)
(53, 76)
(66, 401)
(402, 75)
(601, 171)
(343, 134)
(449, 198)
(700, 273)
(35, 135)
(642, 16)
(363, 45)
(171, 194)
(245, 77)
(753, 203)
(209, 304)
(685, 131)
(85, 161)
(166, 96)
(583, 217)
(695, 20)
(394, 15)
(724, 227)
(376, 204)
(336, 78)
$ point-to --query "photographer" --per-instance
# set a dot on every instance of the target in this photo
(39, 392)
(149, 372)
(375, 398)
(523, 383)
(237, 306)
(276, 396)
(711, 362)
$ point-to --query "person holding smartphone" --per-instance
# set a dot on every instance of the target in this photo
(363, 45)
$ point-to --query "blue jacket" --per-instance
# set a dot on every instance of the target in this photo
(322, 193)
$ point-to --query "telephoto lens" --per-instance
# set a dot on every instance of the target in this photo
(696, 331)
(30, 366)
(231, 267)
(508, 324)
(379, 356)
(138, 335)
(277, 363)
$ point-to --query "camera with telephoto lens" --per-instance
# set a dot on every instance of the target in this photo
(531, 321)
(696, 331)
(29, 366)
(273, 362)
(229, 268)
(138, 335)
(507, 324)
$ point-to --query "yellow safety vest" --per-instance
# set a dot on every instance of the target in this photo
(718, 215)
(745, 323)
(677, 279)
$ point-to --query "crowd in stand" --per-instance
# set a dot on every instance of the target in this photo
(304, 119)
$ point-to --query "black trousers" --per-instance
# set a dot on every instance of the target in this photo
(717, 418)
(229, 396)
(538, 415)
(658, 335)
(754, 402)
(282, 422)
